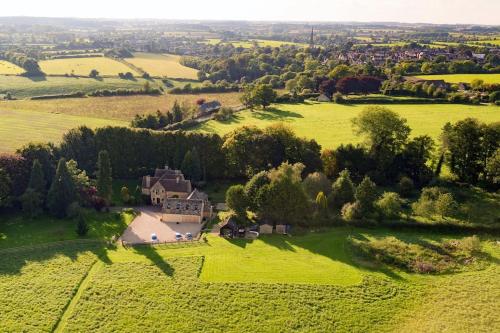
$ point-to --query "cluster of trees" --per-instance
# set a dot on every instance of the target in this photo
(397, 86)
(126, 76)
(472, 150)
(60, 191)
(206, 87)
(258, 95)
(282, 195)
(119, 53)
(387, 154)
(440, 65)
(30, 65)
(161, 120)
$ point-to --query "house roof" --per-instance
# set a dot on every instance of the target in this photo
(174, 185)
(183, 206)
(209, 107)
(198, 195)
(170, 180)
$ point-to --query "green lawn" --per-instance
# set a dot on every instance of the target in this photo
(330, 124)
(467, 78)
(24, 87)
(16, 230)
(21, 127)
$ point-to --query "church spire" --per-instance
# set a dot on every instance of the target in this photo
(311, 42)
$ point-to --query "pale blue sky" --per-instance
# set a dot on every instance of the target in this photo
(428, 11)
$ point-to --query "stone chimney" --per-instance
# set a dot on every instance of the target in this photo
(177, 179)
(148, 181)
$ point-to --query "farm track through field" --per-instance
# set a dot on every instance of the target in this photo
(68, 310)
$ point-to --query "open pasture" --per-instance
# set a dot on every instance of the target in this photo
(330, 124)
(21, 127)
(122, 108)
(24, 87)
(83, 66)
(163, 65)
(467, 78)
(10, 68)
(310, 283)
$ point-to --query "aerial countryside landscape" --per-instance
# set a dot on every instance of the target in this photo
(270, 166)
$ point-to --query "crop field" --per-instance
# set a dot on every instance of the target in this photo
(9, 68)
(310, 283)
(330, 124)
(21, 127)
(24, 87)
(163, 65)
(83, 66)
(467, 78)
(486, 41)
(122, 108)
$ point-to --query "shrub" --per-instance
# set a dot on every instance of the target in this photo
(389, 204)
(351, 211)
(366, 194)
(338, 98)
(224, 114)
(405, 186)
(125, 194)
(342, 189)
(81, 227)
(445, 205)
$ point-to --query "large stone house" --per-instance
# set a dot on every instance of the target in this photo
(194, 209)
(179, 202)
(166, 183)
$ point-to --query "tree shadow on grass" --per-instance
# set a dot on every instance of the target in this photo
(13, 260)
(333, 244)
(150, 253)
(274, 114)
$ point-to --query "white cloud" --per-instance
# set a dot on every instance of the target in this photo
(432, 11)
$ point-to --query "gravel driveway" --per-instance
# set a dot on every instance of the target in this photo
(148, 222)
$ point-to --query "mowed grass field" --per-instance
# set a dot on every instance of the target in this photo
(467, 78)
(330, 124)
(83, 66)
(9, 68)
(122, 108)
(163, 65)
(23, 87)
(21, 127)
(310, 283)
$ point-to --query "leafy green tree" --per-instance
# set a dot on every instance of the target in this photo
(493, 167)
(366, 194)
(253, 186)
(37, 179)
(104, 176)
(386, 134)
(5, 183)
(62, 191)
(322, 203)
(389, 204)
(177, 112)
(406, 186)
(237, 201)
(258, 95)
(315, 183)
(79, 144)
(31, 202)
(191, 165)
(283, 200)
(445, 205)
(342, 190)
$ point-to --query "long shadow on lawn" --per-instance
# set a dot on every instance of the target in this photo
(150, 253)
(333, 244)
